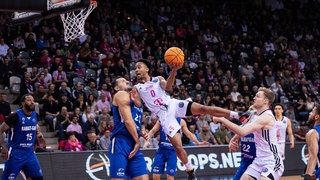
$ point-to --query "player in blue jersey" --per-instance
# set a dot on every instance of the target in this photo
(19, 154)
(313, 143)
(166, 156)
(247, 145)
(126, 159)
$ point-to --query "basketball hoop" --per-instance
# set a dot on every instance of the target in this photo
(73, 22)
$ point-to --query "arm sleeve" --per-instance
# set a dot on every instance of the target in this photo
(12, 120)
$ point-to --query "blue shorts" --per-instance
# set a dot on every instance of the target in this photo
(165, 157)
(120, 165)
(242, 168)
(24, 160)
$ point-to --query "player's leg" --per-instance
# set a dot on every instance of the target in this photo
(11, 170)
(171, 164)
(137, 167)
(197, 108)
(118, 158)
(158, 164)
(32, 169)
(177, 144)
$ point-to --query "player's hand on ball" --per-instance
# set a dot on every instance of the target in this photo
(176, 66)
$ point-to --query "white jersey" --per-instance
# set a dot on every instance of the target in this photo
(281, 126)
(159, 103)
(267, 145)
(267, 161)
(153, 96)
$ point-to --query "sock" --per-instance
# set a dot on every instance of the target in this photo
(188, 166)
(234, 115)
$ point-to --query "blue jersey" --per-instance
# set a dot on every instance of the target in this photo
(23, 134)
(248, 147)
(248, 153)
(119, 126)
(317, 171)
(122, 144)
(21, 139)
(164, 141)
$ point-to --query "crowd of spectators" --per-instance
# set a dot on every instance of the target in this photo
(231, 49)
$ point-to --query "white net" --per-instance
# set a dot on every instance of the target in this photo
(73, 22)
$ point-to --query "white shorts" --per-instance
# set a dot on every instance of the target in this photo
(167, 116)
(281, 150)
(264, 168)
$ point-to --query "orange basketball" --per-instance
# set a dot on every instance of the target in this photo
(174, 55)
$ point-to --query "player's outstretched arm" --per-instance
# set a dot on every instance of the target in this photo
(154, 129)
(189, 134)
(122, 100)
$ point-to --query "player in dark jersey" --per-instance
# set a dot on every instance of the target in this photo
(126, 159)
(19, 154)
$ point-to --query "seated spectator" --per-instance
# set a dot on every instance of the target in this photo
(80, 103)
(102, 103)
(104, 116)
(93, 143)
(90, 125)
(105, 140)
(102, 127)
(5, 108)
(75, 127)
(50, 109)
(64, 89)
(214, 127)
(221, 135)
(59, 76)
(73, 144)
(206, 135)
(201, 121)
(76, 91)
(63, 122)
(92, 90)
(65, 102)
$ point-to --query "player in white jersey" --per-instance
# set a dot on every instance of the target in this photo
(152, 91)
(283, 125)
(268, 163)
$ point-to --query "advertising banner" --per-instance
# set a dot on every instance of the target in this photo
(209, 160)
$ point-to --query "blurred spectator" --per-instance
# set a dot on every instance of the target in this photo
(73, 144)
(63, 122)
(92, 103)
(91, 126)
(59, 76)
(5, 108)
(105, 140)
(103, 103)
(102, 127)
(75, 128)
(222, 135)
(3, 48)
(206, 135)
(91, 89)
(50, 109)
(93, 143)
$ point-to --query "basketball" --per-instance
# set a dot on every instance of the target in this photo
(174, 55)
